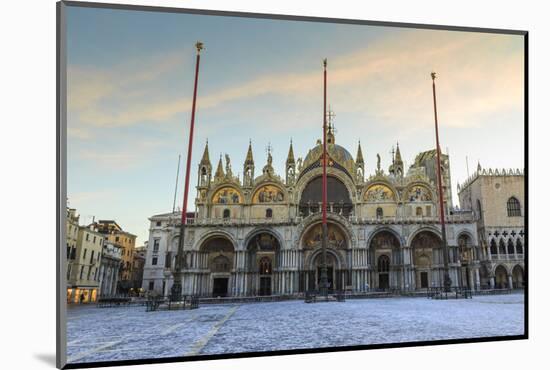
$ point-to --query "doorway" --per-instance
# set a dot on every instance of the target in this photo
(220, 287)
(383, 281)
(265, 285)
(423, 280)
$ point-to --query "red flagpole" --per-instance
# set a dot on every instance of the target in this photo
(325, 142)
(177, 287)
(324, 278)
(199, 47)
(446, 279)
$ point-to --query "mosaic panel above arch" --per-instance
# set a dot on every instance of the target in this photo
(379, 193)
(227, 195)
(268, 194)
(419, 193)
(313, 237)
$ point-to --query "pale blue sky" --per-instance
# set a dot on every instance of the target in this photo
(130, 80)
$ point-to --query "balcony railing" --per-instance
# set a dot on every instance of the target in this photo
(344, 211)
(506, 256)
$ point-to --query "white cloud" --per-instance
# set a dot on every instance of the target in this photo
(389, 79)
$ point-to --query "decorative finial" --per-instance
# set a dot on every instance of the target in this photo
(330, 115)
(433, 76)
(325, 62)
(199, 45)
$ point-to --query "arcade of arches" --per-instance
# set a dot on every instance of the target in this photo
(265, 267)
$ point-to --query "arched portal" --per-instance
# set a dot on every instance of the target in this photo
(262, 259)
(337, 252)
(218, 254)
(501, 277)
(424, 246)
(332, 271)
(338, 198)
(385, 252)
(383, 269)
(518, 275)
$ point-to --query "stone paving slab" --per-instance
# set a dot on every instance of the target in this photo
(105, 334)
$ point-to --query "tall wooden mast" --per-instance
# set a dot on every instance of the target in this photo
(446, 278)
(177, 286)
(323, 284)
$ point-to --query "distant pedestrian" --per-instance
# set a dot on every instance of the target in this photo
(82, 298)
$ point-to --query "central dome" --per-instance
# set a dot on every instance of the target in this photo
(335, 151)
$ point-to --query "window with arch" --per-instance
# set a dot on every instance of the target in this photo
(265, 266)
(510, 246)
(419, 211)
(501, 247)
(269, 213)
(519, 246)
(383, 263)
(493, 247)
(226, 213)
(379, 213)
(513, 207)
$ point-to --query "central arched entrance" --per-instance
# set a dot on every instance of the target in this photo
(338, 198)
(262, 259)
(385, 253)
(219, 252)
(336, 253)
(332, 266)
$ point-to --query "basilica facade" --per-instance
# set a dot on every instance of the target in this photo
(261, 235)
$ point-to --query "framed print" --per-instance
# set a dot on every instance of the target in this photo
(235, 184)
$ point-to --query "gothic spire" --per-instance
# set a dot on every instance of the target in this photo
(359, 157)
(398, 155)
(290, 157)
(219, 171)
(205, 156)
(249, 158)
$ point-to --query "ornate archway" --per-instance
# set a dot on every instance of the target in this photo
(423, 245)
(384, 253)
(262, 261)
(337, 252)
(216, 255)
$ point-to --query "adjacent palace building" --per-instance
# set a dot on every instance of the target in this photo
(262, 235)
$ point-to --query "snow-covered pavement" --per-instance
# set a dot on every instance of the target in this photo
(100, 334)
